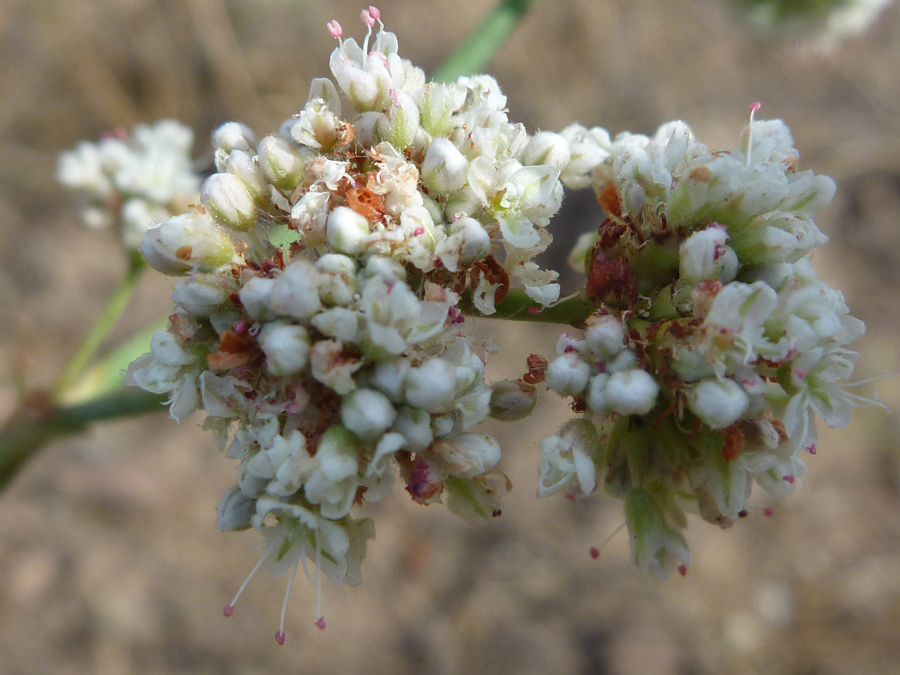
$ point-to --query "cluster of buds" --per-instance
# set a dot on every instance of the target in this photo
(133, 181)
(712, 346)
(318, 318)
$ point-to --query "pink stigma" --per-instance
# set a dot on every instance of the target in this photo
(228, 611)
(767, 512)
(320, 623)
(812, 449)
(367, 18)
(374, 12)
(334, 29)
(789, 478)
(279, 637)
(754, 107)
(595, 552)
(534, 310)
(682, 569)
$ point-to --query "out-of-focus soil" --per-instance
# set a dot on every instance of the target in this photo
(109, 558)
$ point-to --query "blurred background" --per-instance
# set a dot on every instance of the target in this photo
(109, 558)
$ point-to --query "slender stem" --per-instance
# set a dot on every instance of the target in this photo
(481, 45)
(111, 313)
(28, 431)
(517, 306)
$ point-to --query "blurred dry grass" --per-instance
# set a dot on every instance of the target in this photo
(109, 561)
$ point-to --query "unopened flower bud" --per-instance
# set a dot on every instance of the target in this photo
(444, 168)
(242, 165)
(234, 136)
(415, 425)
(295, 293)
(512, 400)
(229, 201)
(546, 147)
(432, 385)
(337, 278)
(605, 335)
(367, 413)
(256, 296)
(476, 242)
(347, 231)
(401, 123)
(468, 455)
(596, 394)
(286, 347)
(704, 255)
(568, 374)
(184, 242)
(631, 392)
(280, 161)
(200, 295)
(719, 403)
(235, 510)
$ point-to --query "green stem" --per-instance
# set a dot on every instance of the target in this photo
(111, 313)
(481, 45)
(26, 433)
(517, 306)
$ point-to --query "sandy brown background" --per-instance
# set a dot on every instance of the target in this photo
(109, 559)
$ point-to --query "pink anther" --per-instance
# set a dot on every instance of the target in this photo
(334, 28)
(534, 310)
(754, 107)
(418, 231)
(228, 611)
(682, 569)
(320, 623)
(595, 552)
(374, 12)
(367, 18)
(279, 637)
(812, 449)
(767, 512)
(789, 478)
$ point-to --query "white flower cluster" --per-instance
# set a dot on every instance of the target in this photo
(133, 181)
(316, 320)
(713, 346)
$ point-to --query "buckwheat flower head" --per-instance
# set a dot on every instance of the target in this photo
(318, 314)
(132, 181)
(713, 347)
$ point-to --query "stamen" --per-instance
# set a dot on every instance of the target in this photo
(279, 636)
(229, 608)
(334, 29)
(754, 107)
(367, 18)
(320, 622)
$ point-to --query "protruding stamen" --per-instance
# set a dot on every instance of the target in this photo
(320, 622)
(334, 29)
(229, 608)
(754, 107)
(284, 605)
